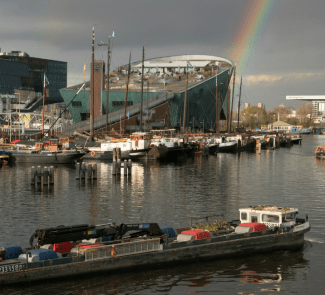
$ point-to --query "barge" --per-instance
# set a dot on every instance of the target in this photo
(107, 248)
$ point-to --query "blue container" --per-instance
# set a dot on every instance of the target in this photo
(169, 230)
(2, 153)
(12, 251)
(44, 254)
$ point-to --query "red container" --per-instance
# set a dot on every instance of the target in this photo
(62, 247)
(255, 226)
(198, 233)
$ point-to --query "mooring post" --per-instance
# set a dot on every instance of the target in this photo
(77, 170)
(45, 176)
(32, 175)
(114, 154)
(118, 150)
(125, 169)
(38, 178)
(51, 175)
(82, 171)
(274, 142)
(95, 171)
(114, 166)
(89, 171)
(118, 166)
(129, 166)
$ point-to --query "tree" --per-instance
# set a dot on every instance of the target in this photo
(281, 112)
(304, 112)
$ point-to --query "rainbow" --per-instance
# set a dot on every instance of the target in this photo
(249, 31)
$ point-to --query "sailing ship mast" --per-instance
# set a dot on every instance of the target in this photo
(241, 82)
(141, 103)
(185, 99)
(233, 91)
(43, 107)
(92, 84)
(127, 90)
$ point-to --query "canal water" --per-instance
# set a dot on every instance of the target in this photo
(170, 194)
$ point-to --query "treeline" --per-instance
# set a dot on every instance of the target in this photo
(254, 117)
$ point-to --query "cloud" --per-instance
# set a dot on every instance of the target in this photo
(284, 78)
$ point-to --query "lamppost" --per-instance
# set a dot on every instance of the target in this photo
(19, 114)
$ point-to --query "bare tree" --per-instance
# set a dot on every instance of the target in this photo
(304, 112)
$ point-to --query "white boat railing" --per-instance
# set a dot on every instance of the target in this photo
(122, 249)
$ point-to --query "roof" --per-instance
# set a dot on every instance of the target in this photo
(172, 64)
(280, 123)
(265, 208)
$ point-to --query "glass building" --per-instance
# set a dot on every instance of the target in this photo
(20, 73)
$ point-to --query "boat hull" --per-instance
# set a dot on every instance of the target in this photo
(105, 156)
(252, 243)
(44, 158)
(227, 147)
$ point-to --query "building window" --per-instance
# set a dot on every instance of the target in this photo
(84, 116)
(121, 103)
(76, 104)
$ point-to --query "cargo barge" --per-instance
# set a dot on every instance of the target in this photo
(105, 247)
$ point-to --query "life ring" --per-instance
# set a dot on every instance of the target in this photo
(93, 153)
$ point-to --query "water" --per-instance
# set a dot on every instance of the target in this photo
(169, 194)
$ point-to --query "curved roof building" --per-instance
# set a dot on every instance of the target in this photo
(208, 93)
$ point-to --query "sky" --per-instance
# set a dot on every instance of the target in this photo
(285, 57)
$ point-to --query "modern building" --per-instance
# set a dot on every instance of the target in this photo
(318, 103)
(208, 77)
(23, 76)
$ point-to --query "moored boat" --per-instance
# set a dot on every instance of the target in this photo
(110, 247)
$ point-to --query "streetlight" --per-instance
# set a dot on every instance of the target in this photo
(19, 114)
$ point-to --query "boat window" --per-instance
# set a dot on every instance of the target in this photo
(253, 218)
(243, 216)
(270, 218)
(289, 216)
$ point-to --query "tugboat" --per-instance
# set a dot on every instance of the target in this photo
(81, 249)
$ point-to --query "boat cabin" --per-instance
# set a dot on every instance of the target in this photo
(271, 216)
(140, 140)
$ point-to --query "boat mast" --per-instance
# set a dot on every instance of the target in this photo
(43, 106)
(107, 82)
(241, 82)
(127, 90)
(141, 103)
(92, 87)
(185, 99)
(233, 91)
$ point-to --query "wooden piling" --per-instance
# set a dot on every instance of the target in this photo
(118, 150)
(95, 171)
(45, 176)
(38, 178)
(32, 175)
(129, 166)
(78, 171)
(82, 171)
(51, 174)
(114, 166)
(125, 169)
(89, 171)
(118, 166)
(114, 154)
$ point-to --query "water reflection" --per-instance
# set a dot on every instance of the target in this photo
(169, 194)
